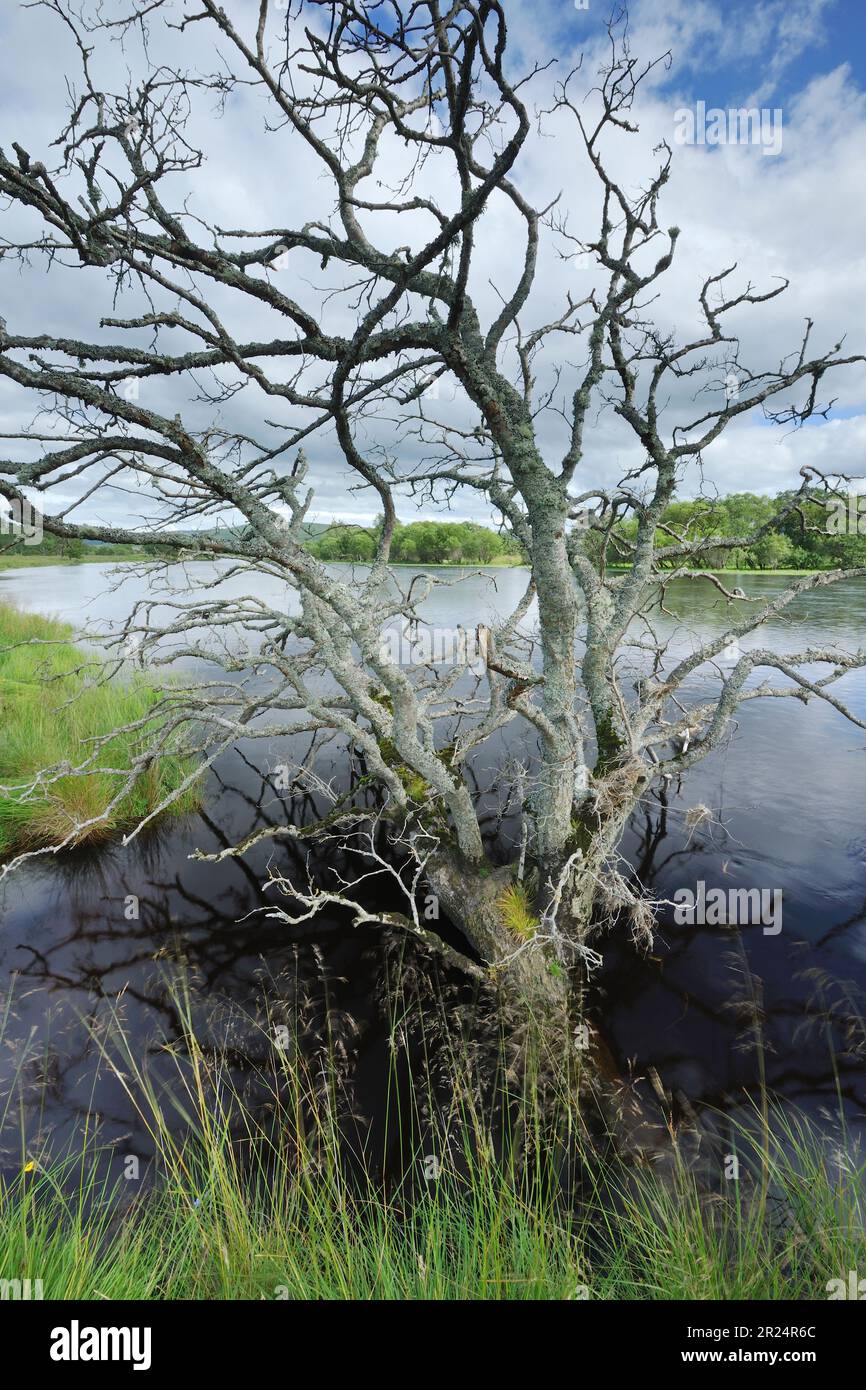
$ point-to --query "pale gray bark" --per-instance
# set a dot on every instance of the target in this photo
(107, 203)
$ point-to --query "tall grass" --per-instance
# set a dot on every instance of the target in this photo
(258, 1201)
(50, 714)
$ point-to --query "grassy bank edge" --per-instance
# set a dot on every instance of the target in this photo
(51, 711)
(246, 1210)
(39, 561)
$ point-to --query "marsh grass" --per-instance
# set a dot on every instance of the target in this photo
(51, 711)
(517, 912)
(259, 1202)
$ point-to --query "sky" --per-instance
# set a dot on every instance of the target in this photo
(795, 209)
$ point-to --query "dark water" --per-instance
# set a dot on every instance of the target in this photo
(706, 1008)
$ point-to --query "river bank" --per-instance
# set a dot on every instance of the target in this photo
(13, 562)
(265, 1202)
(59, 767)
(686, 1014)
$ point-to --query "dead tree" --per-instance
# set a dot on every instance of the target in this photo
(391, 104)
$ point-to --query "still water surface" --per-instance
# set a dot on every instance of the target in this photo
(787, 793)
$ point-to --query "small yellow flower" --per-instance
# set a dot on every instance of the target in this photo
(29, 1167)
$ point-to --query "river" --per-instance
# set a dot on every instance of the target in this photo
(787, 796)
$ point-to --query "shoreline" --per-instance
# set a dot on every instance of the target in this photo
(18, 562)
(52, 715)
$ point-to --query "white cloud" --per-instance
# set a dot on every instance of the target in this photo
(801, 216)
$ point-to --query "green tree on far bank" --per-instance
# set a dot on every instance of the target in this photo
(804, 540)
(421, 542)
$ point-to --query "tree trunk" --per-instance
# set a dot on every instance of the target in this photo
(560, 748)
(541, 1011)
(536, 995)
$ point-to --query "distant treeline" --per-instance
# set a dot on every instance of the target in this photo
(65, 548)
(421, 542)
(812, 537)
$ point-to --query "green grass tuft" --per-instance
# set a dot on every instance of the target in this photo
(516, 911)
(50, 714)
(260, 1205)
